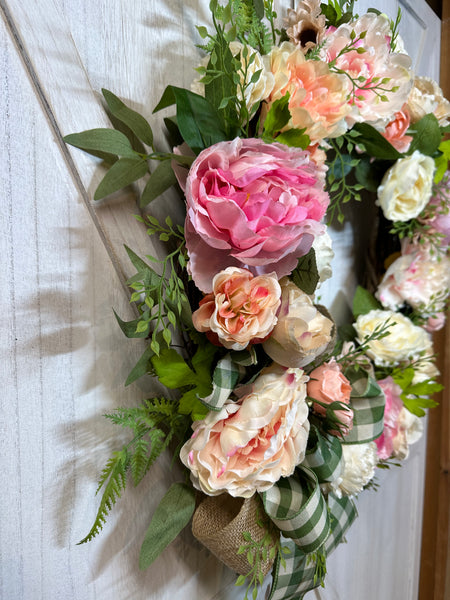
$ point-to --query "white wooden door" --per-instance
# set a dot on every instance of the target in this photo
(63, 357)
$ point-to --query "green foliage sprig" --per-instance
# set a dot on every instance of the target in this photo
(154, 425)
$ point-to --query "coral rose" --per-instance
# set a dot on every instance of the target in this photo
(406, 187)
(302, 332)
(395, 131)
(328, 384)
(241, 309)
(403, 341)
(251, 205)
(318, 97)
(250, 444)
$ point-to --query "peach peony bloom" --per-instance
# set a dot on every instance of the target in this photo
(306, 24)
(241, 309)
(248, 445)
(395, 131)
(302, 332)
(377, 64)
(318, 98)
(328, 384)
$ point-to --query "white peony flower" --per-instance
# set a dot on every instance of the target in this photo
(404, 340)
(323, 247)
(426, 97)
(410, 430)
(406, 187)
(359, 462)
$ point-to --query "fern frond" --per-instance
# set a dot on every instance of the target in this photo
(114, 479)
(139, 460)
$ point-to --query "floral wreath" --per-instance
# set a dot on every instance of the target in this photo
(280, 416)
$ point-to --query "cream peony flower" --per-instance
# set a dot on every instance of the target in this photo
(318, 97)
(404, 340)
(248, 445)
(426, 97)
(323, 247)
(241, 309)
(406, 187)
(302, 332)
(421, 280)
(306, 24)
(410, 430)
(359, 463)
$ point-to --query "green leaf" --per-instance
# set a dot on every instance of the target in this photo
(160, 180)
(191, 405)
(367, 175)
(102, 140)
(122, 173)
(172, 515)
(305, 276)
(172, 369)
(277, 117)
(129, 328)
(364, 302)
(240, 580)
(141, 368)
(416, 404)
(426, 135)
(136, 122)
(197, 119)
(294, 137)
(376, 145)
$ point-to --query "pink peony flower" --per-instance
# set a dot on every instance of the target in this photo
(395, 131)
(252, 205)
(435, 323)
(437, 211)
(384, 74)
(250, 444)
(401, 428)
(241, 309)
(418, 278)
(327, 384)
(318, 98)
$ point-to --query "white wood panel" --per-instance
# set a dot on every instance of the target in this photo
(65, 359)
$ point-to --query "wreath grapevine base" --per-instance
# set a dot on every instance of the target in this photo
(280, 416)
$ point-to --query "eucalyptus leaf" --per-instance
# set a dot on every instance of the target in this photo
(102, 140)
(160, 180)
(172, 515)
(136, 122)
(122, 173)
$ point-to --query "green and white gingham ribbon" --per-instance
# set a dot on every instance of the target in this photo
(298, 509)
(292, 582)
(367, 402)
(228, 372)
(324, 458)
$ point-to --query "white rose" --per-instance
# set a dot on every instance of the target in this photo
(426, 97)
(421, 280)
(324, 255)
(302, 332)
(359, 462)
(406, 187)
(250, 444)
(404, 340)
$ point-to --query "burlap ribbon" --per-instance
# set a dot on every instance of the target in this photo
(219, 523)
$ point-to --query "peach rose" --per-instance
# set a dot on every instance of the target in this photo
(302, 332)
(241, 309)
(318, 98)
(248, 445)
(327, 384)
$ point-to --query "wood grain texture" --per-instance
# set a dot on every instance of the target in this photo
(64, 358)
